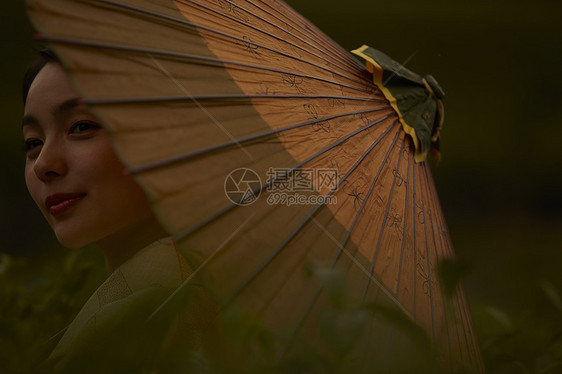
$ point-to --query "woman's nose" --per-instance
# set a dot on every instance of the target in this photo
(51, 162)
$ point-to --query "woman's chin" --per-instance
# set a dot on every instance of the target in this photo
(75, 238)
(72, 242)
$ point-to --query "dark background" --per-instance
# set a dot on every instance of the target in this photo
(500, 178)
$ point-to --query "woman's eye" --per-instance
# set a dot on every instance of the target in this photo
(81, 127)
(31, 144)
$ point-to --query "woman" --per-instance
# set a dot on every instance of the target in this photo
(75, 177)
(86, 196)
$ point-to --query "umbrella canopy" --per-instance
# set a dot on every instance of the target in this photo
(267, 150)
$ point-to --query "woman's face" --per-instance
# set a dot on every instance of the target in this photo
(71, 170)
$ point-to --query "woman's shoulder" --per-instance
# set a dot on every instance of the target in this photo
(146, 302)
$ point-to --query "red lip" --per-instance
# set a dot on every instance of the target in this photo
(59, 203)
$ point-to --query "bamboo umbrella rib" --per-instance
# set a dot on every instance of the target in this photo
(233, 296)
(362, 206)
(460, 301)
(393, 332)
(190, 24)
(256, 191)
(437, 207)
(355, 69)
(342, 56)
(460, 309)
(459, 333)
(431, 222)
(184, 56)
(372, 269)
(222, 98)
(439, 221)
(414, 240)
(436, 214)
(354, 65)
(238, 142)
(278, 250)
(463, 305)
(405, 223)
(260, 31)
(475, 357)
(344, 242)
(195, 272)
(322, 39)
(459, 305)
(300, 322)
(369, 274)
(428, 263)
(253, 137)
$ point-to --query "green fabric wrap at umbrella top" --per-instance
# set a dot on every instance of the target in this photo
(417, 100)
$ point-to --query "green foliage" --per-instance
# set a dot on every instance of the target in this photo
(451, 272)
(343, 330)
(39, 298)
(528, 343)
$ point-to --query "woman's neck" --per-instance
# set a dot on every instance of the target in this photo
(124, 244)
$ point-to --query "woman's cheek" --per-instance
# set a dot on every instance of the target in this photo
(117, 192)
(34, 186)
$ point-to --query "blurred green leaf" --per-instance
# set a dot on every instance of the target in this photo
(501, 318)
(451, 272)
(551, 293)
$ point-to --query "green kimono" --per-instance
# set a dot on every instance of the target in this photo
(118, 330)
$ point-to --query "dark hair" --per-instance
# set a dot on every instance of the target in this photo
(46, 56)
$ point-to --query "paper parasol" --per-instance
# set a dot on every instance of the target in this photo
(266, 150)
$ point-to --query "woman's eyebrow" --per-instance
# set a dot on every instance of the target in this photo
(28, 120)
(67, 105)
(63, 107)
